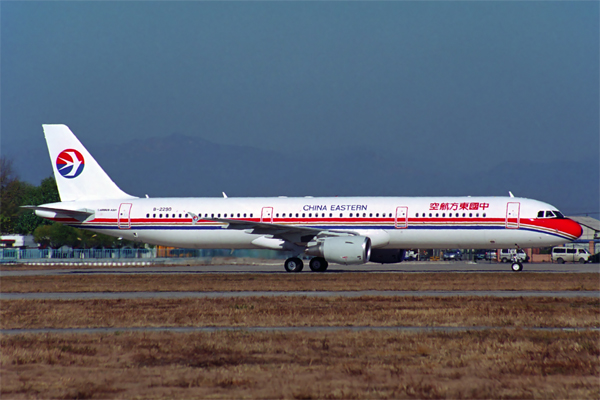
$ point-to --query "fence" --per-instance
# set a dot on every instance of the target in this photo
(74, 254)
(12, 255)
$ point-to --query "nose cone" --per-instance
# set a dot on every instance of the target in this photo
(571, 228)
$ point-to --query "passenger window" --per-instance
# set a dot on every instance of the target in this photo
(244, 215)
(147, 215)
(464, 215)
(296, 215)
(477, 215)
(350, 214)
(212, 215)
(443, 215)
(238, 215)
(470, 215)
(341, 215)
(330, 215)
(186, 215)
(430, 215)
(370, 215)
(437, 215)
(377, 215)
(483, 215)
(250, 215)
(159, 215)
(303, 215)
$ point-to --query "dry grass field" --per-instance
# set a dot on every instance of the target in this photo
(233, 365)
(299, 282)
(304, 311)
(510, 363)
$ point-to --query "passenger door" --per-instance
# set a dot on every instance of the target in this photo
(124, 216)
(513, 219)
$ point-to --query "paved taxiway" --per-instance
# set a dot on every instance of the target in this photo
(270, 268)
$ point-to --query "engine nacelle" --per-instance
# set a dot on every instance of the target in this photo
(387, 256)
(345, 250)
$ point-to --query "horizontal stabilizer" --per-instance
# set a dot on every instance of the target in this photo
(80, 215)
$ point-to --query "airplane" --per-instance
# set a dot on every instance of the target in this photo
(342, 230)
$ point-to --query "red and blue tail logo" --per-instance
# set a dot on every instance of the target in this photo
(70, 163)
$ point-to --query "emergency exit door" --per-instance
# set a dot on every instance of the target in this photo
(267, 215)
(401, 217)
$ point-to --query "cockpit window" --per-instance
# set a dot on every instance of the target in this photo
(550, 214)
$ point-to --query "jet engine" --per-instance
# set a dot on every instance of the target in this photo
(387, 256)
(345, 250)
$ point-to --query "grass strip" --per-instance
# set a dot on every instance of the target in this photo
(471, 365)
(303, 311)
(300, 282)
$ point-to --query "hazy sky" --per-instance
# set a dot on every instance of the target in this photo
(462, 84)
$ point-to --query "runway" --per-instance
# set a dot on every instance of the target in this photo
(271, 268)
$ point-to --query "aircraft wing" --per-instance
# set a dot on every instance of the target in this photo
(290, 233)
(80, 215)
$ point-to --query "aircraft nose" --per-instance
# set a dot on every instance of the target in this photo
(572, 228)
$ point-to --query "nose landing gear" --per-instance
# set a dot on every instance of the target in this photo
(517, 266)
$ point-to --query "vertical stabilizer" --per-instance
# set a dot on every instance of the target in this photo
(78, 175)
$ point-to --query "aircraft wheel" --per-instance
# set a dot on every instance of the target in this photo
(517, 267)
(293, 264)
(318, 264)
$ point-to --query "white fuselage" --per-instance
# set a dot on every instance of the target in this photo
(390, 222)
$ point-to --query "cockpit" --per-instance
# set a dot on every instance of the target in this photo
(550, 214)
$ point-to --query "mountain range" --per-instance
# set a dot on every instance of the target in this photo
(180, 165)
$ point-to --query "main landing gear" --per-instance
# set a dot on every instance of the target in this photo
(295, 264)
(318, 264)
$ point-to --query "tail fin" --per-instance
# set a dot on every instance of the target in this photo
(78, 175)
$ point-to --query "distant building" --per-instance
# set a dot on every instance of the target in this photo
(18, 242)
(591, 233)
